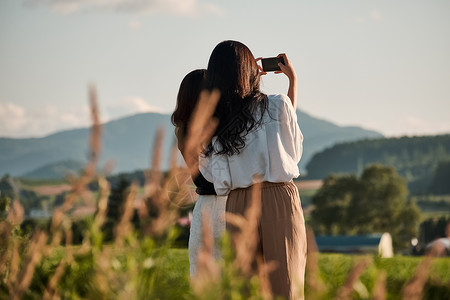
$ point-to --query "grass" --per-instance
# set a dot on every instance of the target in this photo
(173, 277)
(44, 264)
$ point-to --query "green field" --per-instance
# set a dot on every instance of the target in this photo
(144, 265)
(171, 280)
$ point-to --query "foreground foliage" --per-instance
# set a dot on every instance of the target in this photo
(165, 275)
(44, 263)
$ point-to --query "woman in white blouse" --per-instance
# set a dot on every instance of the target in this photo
(258, 135)
(207, 202)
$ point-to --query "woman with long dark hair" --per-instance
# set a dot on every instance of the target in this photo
(187, 99)
(258, 137)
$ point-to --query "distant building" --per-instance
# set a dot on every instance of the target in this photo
(357, 244)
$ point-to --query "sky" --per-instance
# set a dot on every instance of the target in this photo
(381, 65)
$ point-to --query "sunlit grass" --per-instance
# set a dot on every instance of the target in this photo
(141, 263)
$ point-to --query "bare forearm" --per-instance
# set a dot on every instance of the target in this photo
(292, 91)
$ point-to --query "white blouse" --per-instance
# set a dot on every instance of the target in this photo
(272, 151)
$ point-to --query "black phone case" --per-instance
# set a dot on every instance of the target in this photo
(271, 64)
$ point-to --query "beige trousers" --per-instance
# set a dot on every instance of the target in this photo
(282, 234)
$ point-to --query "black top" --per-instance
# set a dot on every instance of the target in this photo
(204, 187)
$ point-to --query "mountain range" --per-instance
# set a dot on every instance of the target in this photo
(129, 142)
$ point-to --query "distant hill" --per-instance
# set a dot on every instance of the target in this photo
(417, 159)
(55, 170)
(440, 185)
(129, 142)
(320, 134)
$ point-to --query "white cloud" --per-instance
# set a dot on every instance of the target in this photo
(409, 125)
(129, 106)
(375, 15)
(133, 24)
(176, 7)
(65, 8)
(12, 117)
(418, 125)
(414, 122)
(19, 121)
(137, 104)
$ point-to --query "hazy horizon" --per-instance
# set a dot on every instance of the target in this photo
(379, 65)
(138, 113)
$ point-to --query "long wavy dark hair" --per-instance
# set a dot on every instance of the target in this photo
(188, 96)
(233, 70)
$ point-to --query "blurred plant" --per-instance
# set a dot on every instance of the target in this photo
(94, 269)
(139, 263)
(315, 287)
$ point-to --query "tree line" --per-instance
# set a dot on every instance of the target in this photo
(375, 202)
(423, 161)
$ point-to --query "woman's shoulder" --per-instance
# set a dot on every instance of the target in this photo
(283, 97)
(281, 103)
(278, 98)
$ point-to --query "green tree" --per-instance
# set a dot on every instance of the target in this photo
(440, 183)
(333, 201)
(6, 188)
(114, 211)
(381, 199)
(375, 202)
(5, 201)
(30, 200)
(115, 202)
(6, 195)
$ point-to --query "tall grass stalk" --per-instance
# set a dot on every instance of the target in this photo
(135, 265)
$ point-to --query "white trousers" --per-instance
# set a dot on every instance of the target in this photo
(215, 207)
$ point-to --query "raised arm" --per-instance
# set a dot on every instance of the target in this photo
(289, 71)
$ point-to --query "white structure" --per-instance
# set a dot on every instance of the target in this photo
(380, 244)
(385, 248)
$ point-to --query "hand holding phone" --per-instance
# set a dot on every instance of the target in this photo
(270, 64)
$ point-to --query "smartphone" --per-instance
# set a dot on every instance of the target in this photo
(271, 64)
